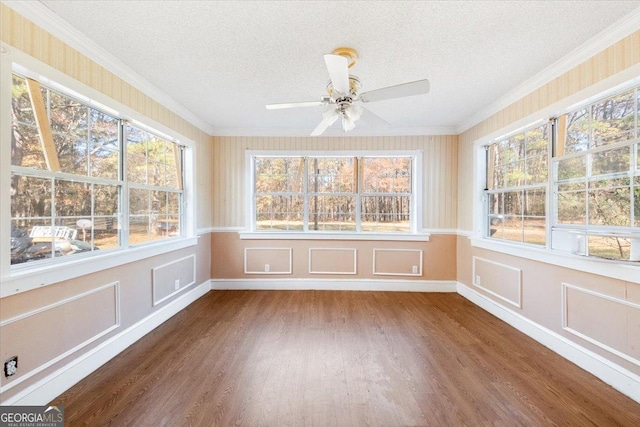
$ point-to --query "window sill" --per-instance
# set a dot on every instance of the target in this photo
(275, 235)
(37, 276)
(608, 268)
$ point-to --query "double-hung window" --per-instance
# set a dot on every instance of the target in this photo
(334, 193)
(516, 190)
(594, 181)
(85, 181)
(597, 179)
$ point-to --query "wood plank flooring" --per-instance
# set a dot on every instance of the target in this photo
(319, 358)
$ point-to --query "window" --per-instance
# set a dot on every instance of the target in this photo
(68, 184)
(517, 173)
(597, 178)
(338, 193)
(594, 181)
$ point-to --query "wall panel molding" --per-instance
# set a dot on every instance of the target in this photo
(271, 252)
(379, 272)
(567, 327)
(517, 284)
(162, 273)
(65, 302)
(354, 254)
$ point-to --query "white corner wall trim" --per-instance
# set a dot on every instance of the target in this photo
(51, 386)
(335, 285)
(43, 17)
(610, 35)
(616, 376)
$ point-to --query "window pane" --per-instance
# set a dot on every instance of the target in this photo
(279, 212)
(26, 149)
(536, 168)
(72, 154)
(386, 175)
(106, 232)
(578, 131)
(513, 203)
(331, 175)
(514, 174)
(332, 212)
(155, 148)
(535, 202)
(572, 207)
(386, 213)
(105, 199)
(172, 168)
(21, 102)
(137, 169)
(139, 229)
(31, 197)
(575, 167)
(513, 228)
(72, 198)
(610, 206)
(30, 240)
(173, 206)
(156, 174)
(496, 205)
(496, 229)
(284, 174)
(67, 116)
(613, 119)
(496, 177)
(537, 141)
(139, 201)
(611, 161)
(609, 247)
(534, 230)
(104, 145)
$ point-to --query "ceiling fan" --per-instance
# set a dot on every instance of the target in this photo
(344, 91)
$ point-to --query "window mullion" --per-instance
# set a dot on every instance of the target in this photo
(305, 189)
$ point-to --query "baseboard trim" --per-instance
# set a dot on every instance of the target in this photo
(56, 383)
(623, 380)
(399, 285)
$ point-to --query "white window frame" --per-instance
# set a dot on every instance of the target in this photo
(44, 273)
(415, 233)
(608, 268)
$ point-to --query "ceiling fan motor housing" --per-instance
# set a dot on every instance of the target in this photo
(354, 88)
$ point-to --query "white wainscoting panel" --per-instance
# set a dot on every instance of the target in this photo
(172, 278)
(500, 280)
(278, 260)
(397, 262)
(333, 260)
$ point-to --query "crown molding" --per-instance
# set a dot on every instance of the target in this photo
(46, 19)
(610, 35)
(416, 131)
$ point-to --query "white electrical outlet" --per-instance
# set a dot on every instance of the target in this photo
(478, 281)
(414, 269)
(266, 268)
(177, 284)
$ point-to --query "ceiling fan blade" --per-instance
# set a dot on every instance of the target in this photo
(295, 105)
(373, 119)
(399, 91)
(329, 118)
(338, 67)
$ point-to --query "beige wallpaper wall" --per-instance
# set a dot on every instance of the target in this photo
(615, 58)
(439, 164)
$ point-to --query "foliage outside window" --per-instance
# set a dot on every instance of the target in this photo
(517, 173)
(597, 179)
(333, 193)
(67, 180)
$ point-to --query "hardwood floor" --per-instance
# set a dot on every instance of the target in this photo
(313, 358)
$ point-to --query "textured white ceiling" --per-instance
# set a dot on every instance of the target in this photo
(224, 60)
